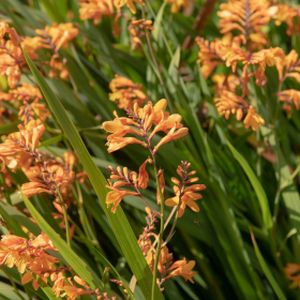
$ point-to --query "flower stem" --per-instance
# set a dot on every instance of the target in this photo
(61, 200)
(161, 231)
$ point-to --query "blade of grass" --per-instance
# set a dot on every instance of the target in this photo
(260, 193)
(267, 271)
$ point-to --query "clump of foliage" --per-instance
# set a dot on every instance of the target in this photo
(149, 149)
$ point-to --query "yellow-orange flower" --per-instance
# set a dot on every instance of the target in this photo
(291, 271)
(247, 17)
(137, 30)
(290, 97)
(121, 178)
(125, 92)
(143, 123)
(60, 34)
(185, 189)
(228, 103)
(95, 9)
(183, 268)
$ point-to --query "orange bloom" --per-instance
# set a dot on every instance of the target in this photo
(208, 56)
(121, 178)
(144, 123)
(185, 189)
(289, 98)
(95, 9)
(247, 17)
(183, 268)
(11, 56)
(59, 34)
(137, 30)
(125, 92)
(291, 271)
(228, 103)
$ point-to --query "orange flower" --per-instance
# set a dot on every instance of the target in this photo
(95, 9)
(289, 67)
(183, 268)
(289, 98)
(30, 189)
(291, 271)
(11, 56)
(60, 34)
(137, 30)
(228, 103)
(252, 119)
(247, 17)
(125, 92)
(144, 123)
(186, 191)
(121, 178)
(208, 56)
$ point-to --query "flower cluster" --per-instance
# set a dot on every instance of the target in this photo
(241, 49)
(186, 189)
(141, 125)
(125, 92)
(96, 9)
(137, 30)
(32, 259)
(167, 268)
(150, 126)
(53, 38)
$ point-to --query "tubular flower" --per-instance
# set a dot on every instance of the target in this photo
(185, 189)
(289, 98)
(11, 57)
(291, 271)
(24, 92)
(15, 150)
(228, 103)
(247, 17)
(58, 35)
(131, 4)
(289, 67)
(208, 56)
(176, 5)
(184, 269)
(125, 92)
(96, 9)
(143, 123)
(137, 30)
(121, 178)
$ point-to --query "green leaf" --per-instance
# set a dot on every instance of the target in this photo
(260, 192)
(267, 271)
(119, 223)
